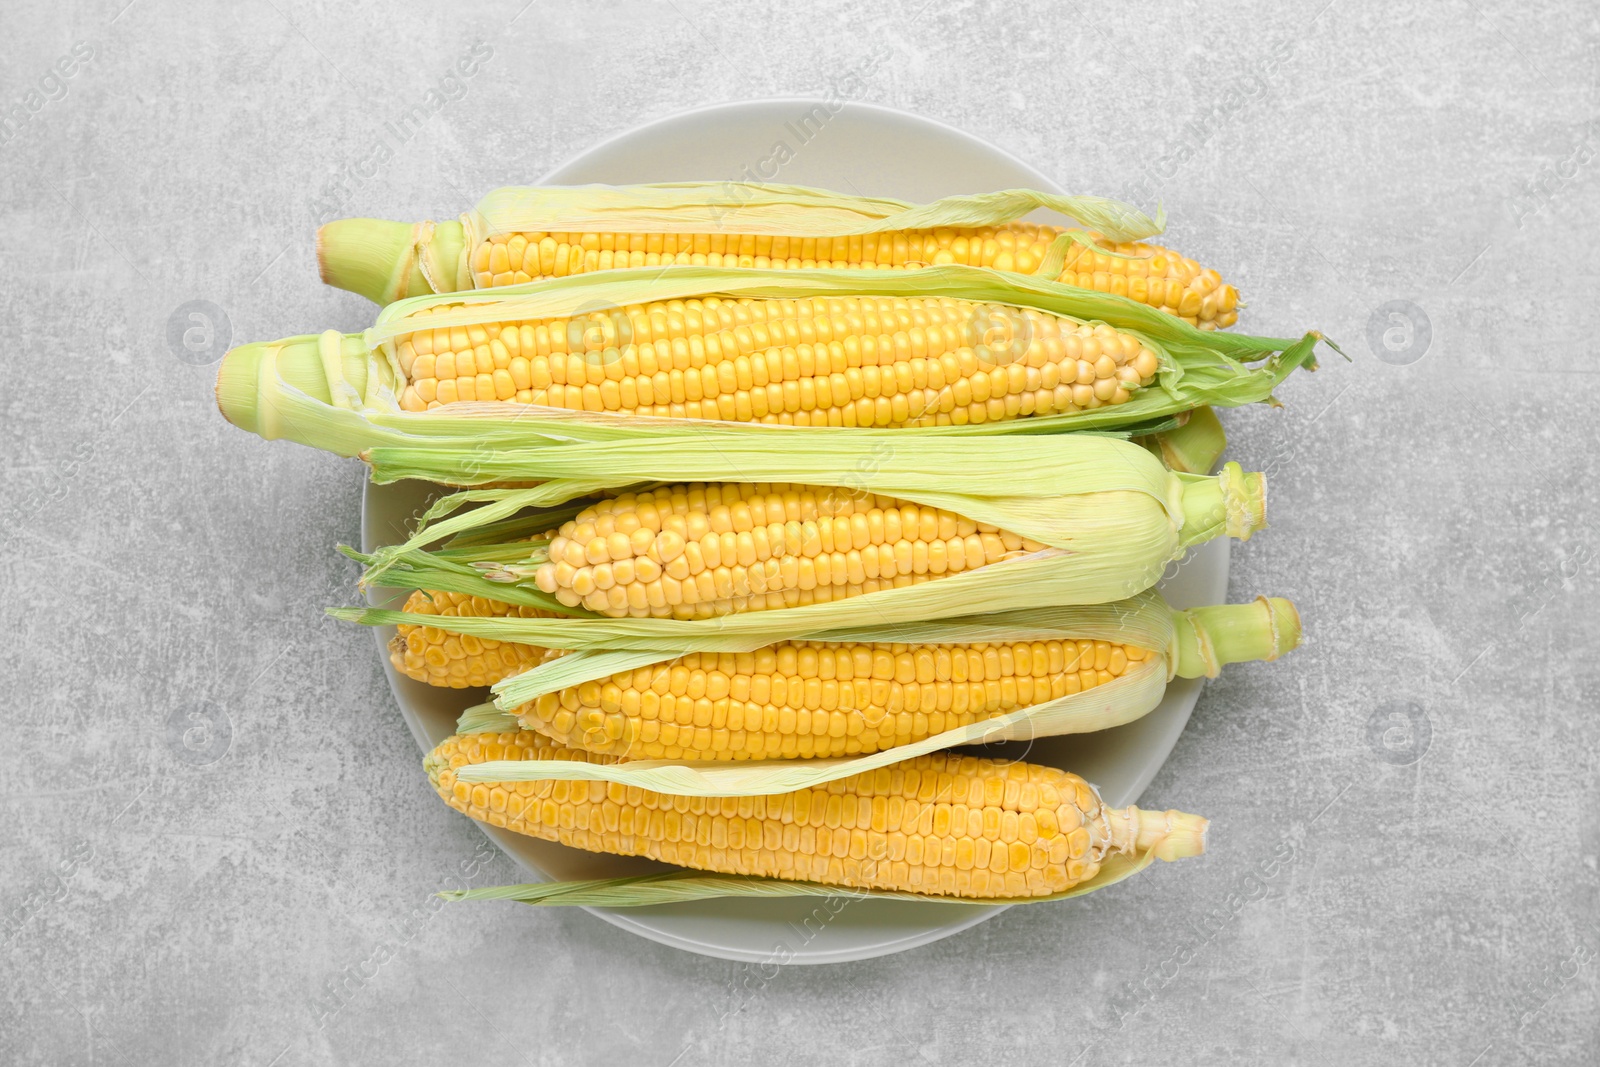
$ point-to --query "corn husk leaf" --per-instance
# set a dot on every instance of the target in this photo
(767, 208)
(1029, 499)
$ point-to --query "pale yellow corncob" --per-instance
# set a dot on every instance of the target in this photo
(459, 661)
(811, 699)
(812, 361)
(695, 551)
(940, 825)
(1148, 273)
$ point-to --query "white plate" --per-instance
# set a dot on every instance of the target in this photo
(872, 151)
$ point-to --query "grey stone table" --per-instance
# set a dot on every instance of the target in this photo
(214, 816)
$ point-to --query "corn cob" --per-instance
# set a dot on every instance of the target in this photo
(698, 551)
(944, 352)
(460, 661)
(808, 699)
(799, 699)
(846, 361)
(940, 825)
(385, 260)
(1147, 273)
(1094, 520)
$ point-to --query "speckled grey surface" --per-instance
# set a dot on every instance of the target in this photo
(217, 847)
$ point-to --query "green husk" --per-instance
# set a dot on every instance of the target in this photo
(1110, 504)
(1187, 644)
(680, 886)
(1028, 497)
(1112, 513)
(384, 260)
(339, 392)
(761, 208)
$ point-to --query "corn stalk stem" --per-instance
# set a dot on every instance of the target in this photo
(1209, 638)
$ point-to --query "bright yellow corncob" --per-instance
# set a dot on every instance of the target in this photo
(813, 361)
(810, 699)
(940, 825)
(1149, 273)
(695, 551)
(518, 235)
(459, 661)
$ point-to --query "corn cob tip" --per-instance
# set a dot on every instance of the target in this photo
(1170, 835)
(1206, 639)
(397, 652)
(434, 764)
(433, 657)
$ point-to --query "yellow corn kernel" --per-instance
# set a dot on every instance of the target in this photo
(804, 545)
(864, 697)
(835, 361)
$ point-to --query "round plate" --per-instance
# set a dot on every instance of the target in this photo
(871, 151)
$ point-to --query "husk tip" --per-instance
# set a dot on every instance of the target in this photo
(236, 387)
(325, 272)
